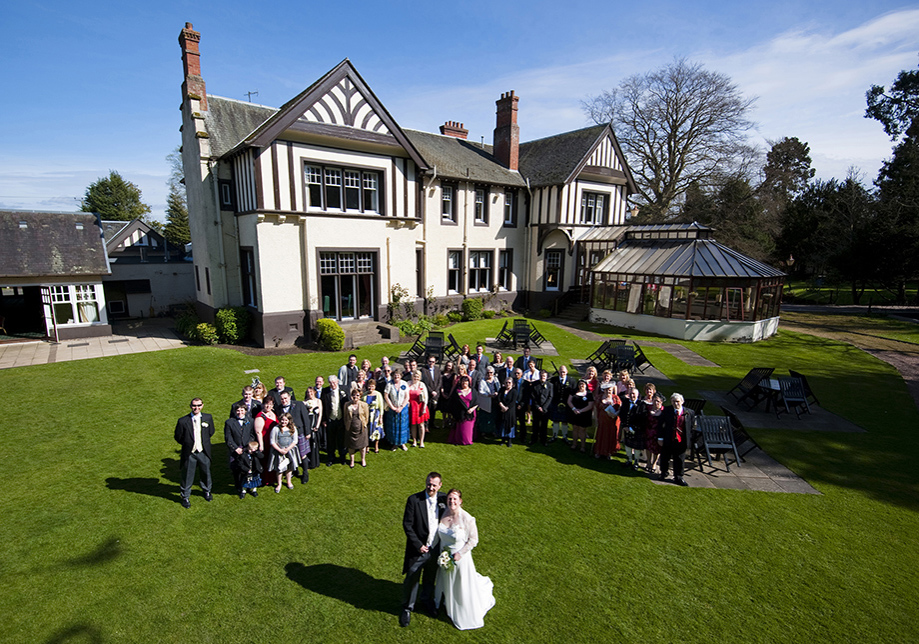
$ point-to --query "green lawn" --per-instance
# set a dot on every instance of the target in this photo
(810, 292)
(97, 548)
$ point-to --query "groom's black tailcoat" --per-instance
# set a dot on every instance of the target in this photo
(415, 524)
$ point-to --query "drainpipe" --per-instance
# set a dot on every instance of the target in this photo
(212, 171)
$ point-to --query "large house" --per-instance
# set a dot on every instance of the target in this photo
(326, 206)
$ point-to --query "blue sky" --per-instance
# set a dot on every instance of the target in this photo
(94, 86)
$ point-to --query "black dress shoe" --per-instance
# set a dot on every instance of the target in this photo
(329, 464)
(662, 477)
(253, 492)
(185, 502)
(242, 495)
(405, 618)
(681, 482)
(208, 497)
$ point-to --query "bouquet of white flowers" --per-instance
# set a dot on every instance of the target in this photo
(445, 561)
(375, 436)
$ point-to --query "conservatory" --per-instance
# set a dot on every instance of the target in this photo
(675, 280)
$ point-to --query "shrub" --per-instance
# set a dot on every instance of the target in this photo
(488, 314)
(406, 327)
(455, 316)
(441, 320)
(472, 308)
(545, 313)
(233, 324)
(425, 323)
(331, 337)
(186, 323)
(205, 333)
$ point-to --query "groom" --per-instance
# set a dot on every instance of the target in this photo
(423, 512)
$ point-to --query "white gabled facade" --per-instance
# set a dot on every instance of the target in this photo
(319, 208)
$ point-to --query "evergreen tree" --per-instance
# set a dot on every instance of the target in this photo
(176, 229)
(115, 199)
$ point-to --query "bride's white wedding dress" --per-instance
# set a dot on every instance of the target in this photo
(466, 594)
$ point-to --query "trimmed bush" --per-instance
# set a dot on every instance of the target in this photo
(205, 333)
(331, 337)
(455, 316)
(488, 314)
(441, 320)
(472, 308)
(545, 313)
(233, 324)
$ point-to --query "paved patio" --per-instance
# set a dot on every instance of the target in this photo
(131, 337)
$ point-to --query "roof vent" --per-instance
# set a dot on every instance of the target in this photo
(23, 225)
(79, 225)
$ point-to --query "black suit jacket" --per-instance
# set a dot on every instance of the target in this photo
(668, 429)
(185, 434)
(415, 524)
(300, 415)
(238, 436)
(275, 395)
(541, 395)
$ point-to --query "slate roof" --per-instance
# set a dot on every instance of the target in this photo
(51, 244)
(461, 159)
(550, 161)
(682, 258)
(229, 121)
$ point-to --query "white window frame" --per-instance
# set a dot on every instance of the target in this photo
(325, 179)
(72, 304)
(480, 264)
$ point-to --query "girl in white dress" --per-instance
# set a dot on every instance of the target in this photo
(466, 594)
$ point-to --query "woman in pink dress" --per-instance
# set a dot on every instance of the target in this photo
(418, 408)
(466, 404)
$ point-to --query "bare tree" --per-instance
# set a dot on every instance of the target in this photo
(678, 125)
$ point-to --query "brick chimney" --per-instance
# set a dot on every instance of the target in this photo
(191, 63)
(507, 133)
(452, 128)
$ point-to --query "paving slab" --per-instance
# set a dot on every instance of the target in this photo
(819, 420)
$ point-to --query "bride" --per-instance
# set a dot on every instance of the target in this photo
(466, 594)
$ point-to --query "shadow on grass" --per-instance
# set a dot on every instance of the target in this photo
(348, 585)
(83, 633)
(107, 551)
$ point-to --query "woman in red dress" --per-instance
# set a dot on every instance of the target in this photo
(418, 408)
(265, 420)
(652, 425)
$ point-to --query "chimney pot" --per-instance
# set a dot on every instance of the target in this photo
(452, 128)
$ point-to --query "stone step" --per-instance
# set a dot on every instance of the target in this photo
(367, 333)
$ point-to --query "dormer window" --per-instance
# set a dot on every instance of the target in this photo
(593, 208)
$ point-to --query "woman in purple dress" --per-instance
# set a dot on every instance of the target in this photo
(466, 405)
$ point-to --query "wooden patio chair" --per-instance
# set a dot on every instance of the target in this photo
(505, 337)
(792, 393)
(417, 349)
(741, 437)
(641, 360)
(536, 337)
(808, 392)
(749, 386)
(451, 348)
(717, 437)
(624, 358)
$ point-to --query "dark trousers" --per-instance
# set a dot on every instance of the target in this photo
(194, 461)
(677, 458)
(423, 570)
(521, 423)
(335, 439)
(540, 425)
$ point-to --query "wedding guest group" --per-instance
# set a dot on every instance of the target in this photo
(272, 437)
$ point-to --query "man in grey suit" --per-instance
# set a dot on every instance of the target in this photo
(193, 432)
